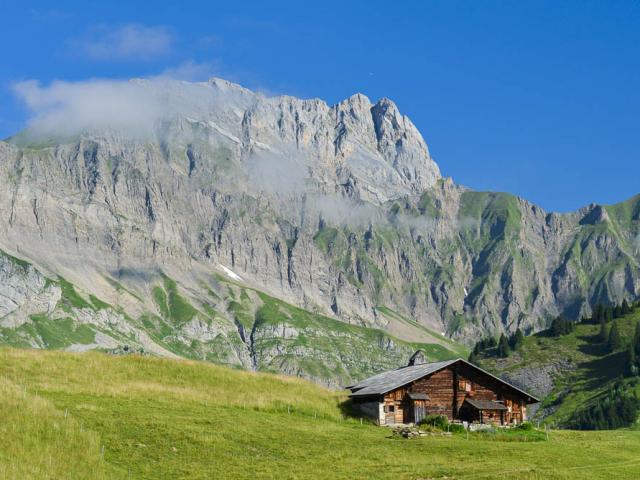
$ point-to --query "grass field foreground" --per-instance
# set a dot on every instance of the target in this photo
(97, 416)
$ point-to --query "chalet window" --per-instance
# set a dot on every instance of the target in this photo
(464, 385)
(389, 408)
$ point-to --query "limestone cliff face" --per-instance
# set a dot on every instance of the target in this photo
(336, 209)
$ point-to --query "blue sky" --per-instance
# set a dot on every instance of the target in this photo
(539, 98)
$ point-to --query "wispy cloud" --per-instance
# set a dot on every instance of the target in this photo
(131, 107)
(338, 210)
(192, 71)
(125, 42)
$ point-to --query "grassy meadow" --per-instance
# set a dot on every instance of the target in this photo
(91, 415)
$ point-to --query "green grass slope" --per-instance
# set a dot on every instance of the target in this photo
(92, 415)
(225, 323)
(585, 367)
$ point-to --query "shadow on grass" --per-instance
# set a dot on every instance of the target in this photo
(593, 345)
(603, 370)
(349, 410)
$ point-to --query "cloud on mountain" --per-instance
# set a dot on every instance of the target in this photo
(339, 210)
(279, 173)
(125, 42)
(71, 107)
(130, 107)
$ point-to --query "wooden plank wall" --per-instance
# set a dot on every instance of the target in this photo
(439, 390)
(396, 398)
(486, 387)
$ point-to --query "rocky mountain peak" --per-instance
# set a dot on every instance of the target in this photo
(594, 214)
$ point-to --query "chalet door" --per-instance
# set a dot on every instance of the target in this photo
(419, 411)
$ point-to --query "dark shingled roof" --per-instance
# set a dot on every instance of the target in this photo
(388, 381)
(485, 404)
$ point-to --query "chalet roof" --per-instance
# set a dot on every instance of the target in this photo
(388, 381)
(485, 404)
(417, 396)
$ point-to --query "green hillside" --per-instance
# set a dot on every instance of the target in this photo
(91, 415)
(580, 365)
(225, 322)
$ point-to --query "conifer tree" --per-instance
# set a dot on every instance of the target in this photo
(503, 347)
(608, 314)
(617, 311)
(473, 357)
(598, 313)
(615, 340)
(631, 367)
(516, 340)
(633, 356)
(604, 332)
(625, 307)
(560, 326)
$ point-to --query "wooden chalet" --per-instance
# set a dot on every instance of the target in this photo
(454, 388)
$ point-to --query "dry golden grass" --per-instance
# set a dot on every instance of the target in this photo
(164, 380)
(38, 441)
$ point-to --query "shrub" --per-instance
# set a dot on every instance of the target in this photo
(525, 426)
(456, 428)
(437, 421)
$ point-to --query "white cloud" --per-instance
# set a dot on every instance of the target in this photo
(130, 107)
(126, 42)
(280, 173)
(338, 210)
(70, 107)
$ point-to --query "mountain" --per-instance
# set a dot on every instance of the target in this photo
(282, 234)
